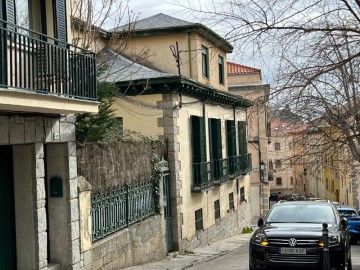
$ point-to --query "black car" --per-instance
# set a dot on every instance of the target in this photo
(291, 236)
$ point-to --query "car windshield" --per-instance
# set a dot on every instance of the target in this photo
(347, 213)
(301, 213)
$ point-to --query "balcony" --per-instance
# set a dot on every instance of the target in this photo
(221, 171)
(246, 165)
(235, 165)
(239, 165)
(202, 177)
(42, 74)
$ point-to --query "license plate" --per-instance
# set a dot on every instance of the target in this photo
(293, 250)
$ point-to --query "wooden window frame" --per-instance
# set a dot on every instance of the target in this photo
(231, 201)
(221, 69)
(277, 146)
(199, 220)
(242, 194)
(205, 62)
(217, 210)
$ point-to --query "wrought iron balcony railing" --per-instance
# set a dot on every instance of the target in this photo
(41, 64)
(240, 164)
(221, 171)
(246, 163)
(202, 176)
(235, 165)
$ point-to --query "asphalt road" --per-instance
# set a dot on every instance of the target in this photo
(238, 259)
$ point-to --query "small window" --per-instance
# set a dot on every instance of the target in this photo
(277, 146)
(231, 201)
(198, 220)
(278, 163)
(221, 69)
(291, 180)
(217, 210)
(120, 125)
(205, 62)
(278, 181)
(242, 194)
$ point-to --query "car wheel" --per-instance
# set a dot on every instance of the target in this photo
(348, 264)
(250, 268)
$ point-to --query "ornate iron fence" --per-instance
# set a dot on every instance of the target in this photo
(119, 207)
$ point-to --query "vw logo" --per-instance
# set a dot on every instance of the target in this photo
(292, 242)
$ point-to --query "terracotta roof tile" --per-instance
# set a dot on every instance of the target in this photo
(233, 68)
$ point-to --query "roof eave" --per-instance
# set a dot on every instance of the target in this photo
(196, 27)
(185, 86)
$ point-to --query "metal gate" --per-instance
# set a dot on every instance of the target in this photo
(167, 206)
(7, 211)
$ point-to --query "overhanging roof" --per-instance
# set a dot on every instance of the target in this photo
(134, 79)
(185, 86)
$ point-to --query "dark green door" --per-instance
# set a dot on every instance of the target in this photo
(167, 210)
(7, 213)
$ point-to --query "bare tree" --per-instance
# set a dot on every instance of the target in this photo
(315, 50)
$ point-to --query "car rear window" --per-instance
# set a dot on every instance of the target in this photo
(347, 213)
(301, 214)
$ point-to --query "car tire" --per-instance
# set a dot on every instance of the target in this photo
(348, 265)
(250, 268)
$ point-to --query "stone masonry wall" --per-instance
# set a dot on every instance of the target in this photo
(140, 243)
(171, 129)
(17, 129)
(227, 227)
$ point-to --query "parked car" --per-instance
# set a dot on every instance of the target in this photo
(302, 198)
(273, 196)
(353, 220)
(291, 235)
(337, 205)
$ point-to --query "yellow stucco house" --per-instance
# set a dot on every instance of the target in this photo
(44, 81)
(178, 91)
(247, 82)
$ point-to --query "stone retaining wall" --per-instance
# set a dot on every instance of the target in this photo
(232, 224)
(140, 243)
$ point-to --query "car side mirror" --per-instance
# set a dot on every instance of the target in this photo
(260, 222)
(344, 223)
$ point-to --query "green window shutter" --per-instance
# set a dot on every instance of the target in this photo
(198, 139)
(242, 137)
(202, 139)
(230, 138)
(60, 24)
(1, 11)
(218, 138)
(10, 14)
(215, 138)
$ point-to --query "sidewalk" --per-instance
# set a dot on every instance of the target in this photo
(176, 261)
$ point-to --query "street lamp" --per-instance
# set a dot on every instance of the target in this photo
(262, 169)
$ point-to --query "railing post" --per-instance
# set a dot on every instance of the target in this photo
(326, 252)
(127, 205)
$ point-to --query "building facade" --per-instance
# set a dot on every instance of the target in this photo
(246, 82)
(178, 93)
(41, 88)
